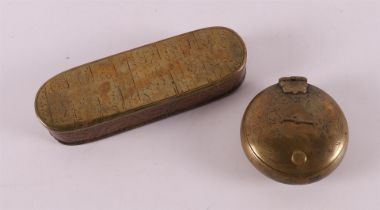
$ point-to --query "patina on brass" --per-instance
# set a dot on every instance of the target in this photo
(294, 132)
(137, 86)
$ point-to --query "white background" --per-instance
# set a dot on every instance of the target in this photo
(192, 160)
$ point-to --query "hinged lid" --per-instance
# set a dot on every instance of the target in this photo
(294, 132)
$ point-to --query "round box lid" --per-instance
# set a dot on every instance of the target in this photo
(294, 132)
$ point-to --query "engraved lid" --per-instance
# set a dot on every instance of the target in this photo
(294, 132)
(140, 79)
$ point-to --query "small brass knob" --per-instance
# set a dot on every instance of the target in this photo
(294, 132)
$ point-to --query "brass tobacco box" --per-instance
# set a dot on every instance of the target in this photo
(137, 86)
(294, 132)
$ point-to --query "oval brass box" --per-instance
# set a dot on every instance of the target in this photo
(294, 132)
(137, 86)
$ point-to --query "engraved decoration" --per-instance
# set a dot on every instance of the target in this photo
(128, 81)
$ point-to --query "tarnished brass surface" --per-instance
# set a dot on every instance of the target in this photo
(294, 132)
(152, 78)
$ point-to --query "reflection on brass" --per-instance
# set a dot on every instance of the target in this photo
(137, 86)
(294, 132)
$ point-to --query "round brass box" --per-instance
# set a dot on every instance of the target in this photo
(294, 132)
